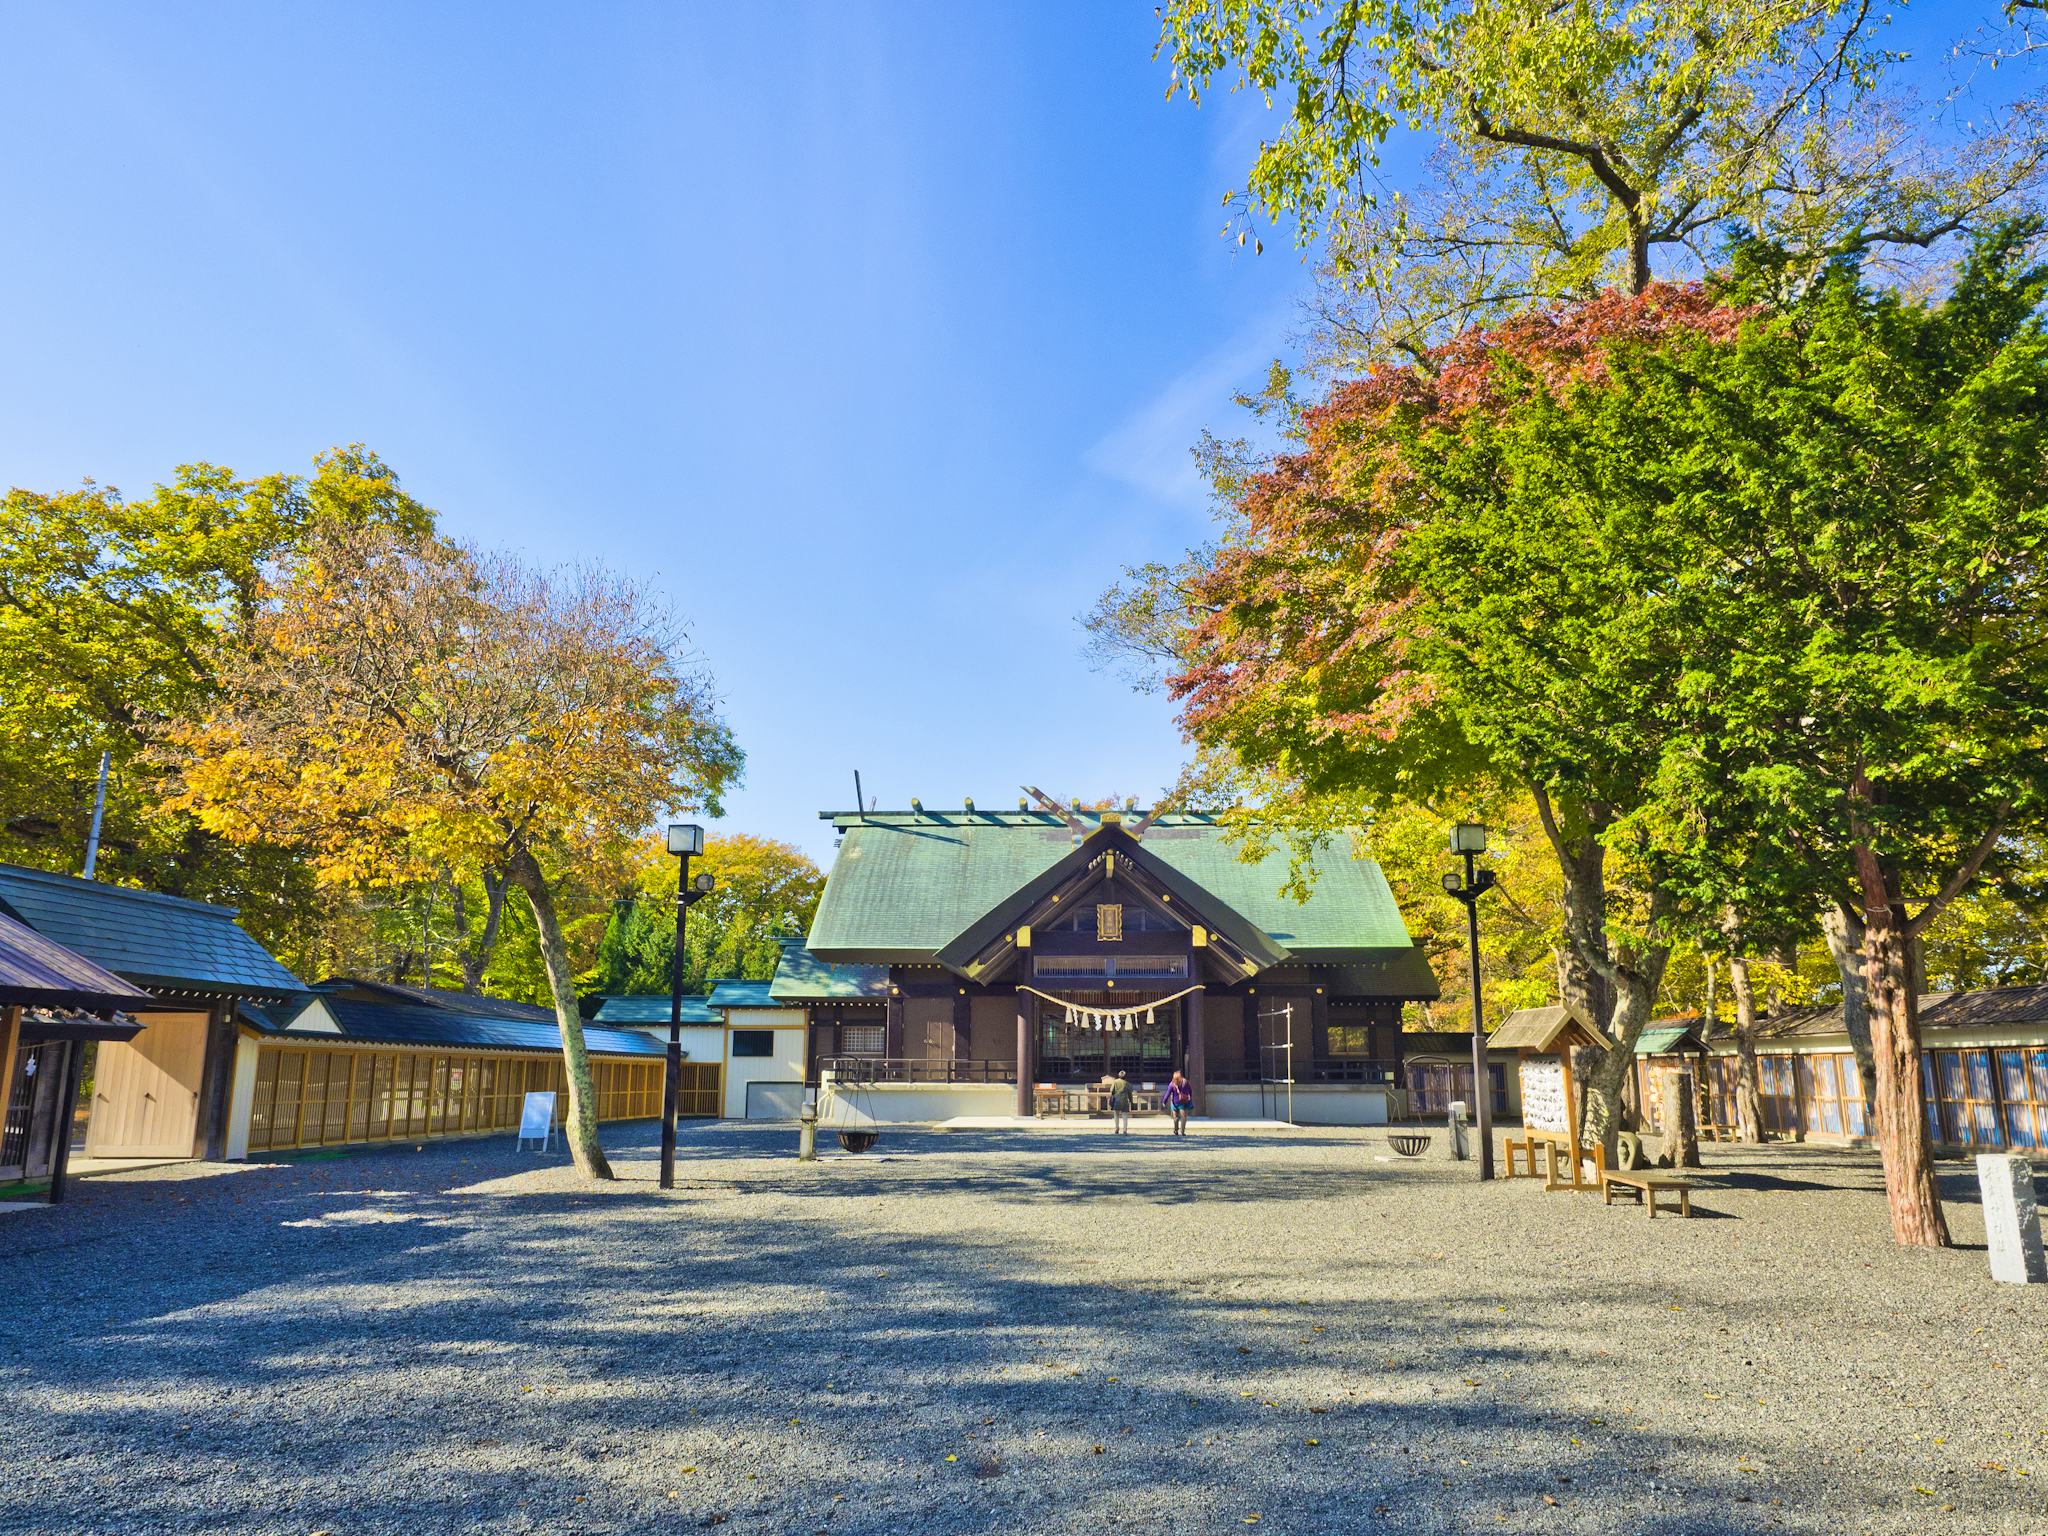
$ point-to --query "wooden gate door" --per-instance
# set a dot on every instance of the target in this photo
(145, 1100)
(28, 1141)
(938, 1048)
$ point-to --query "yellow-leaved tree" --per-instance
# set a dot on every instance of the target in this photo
(404, 707)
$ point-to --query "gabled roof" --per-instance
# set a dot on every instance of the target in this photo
(1670, 1037)
(406, 1024)
(1017, 907)
(801, 977)
(907, 883)
(1546, 1029)
(448, 1000)
(652, 1008)
(741, 994)
(161, 943)
(37, 973)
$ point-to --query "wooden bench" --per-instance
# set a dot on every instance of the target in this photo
(1644, 1187)
(1527, 1145)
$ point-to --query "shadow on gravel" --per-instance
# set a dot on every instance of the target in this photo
(383, 1344)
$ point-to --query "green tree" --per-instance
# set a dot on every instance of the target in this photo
(1869, 479)
(113, 617)
(405, 709)
(1569, 148)
(766, 890)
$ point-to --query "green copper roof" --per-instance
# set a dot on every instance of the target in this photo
(740, 994)
(161, 943)
(652, 1009)
(803, 978)
(907, 883)
(1663, 1039)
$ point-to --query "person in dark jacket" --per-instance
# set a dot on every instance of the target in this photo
(1120, 1104)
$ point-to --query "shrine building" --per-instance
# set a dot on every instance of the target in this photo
(984, 961)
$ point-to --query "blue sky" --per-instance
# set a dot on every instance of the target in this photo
(876, 336)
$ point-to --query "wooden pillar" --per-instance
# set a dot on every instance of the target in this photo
(1197, 1067)
(963, 1027)
(67, 1102)
(892, 1033)
(1318, 1034)
(10, 1047)
(1027, 1054)
(216, 1080)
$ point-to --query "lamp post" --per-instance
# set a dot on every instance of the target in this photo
(686, 842)
(1468, 840)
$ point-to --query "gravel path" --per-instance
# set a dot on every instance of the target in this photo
(973, 1332)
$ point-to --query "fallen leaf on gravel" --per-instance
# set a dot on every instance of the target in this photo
(1251, 1519)
(1097, 1451)
(1550, 1499)
(951, 1457)
(1315, 1442)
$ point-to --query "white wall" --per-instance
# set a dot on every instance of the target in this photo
(786, 1065)
(910, 1103)
(241, 1096)
(1314, 1104)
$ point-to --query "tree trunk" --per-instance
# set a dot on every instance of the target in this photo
(1637, 979)
(1711, 1010)
(581, 1130)
(1749, 1104)
(1902, 1139)
(1844, 930)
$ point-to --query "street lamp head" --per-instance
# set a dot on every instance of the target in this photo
(1451, 884)
(685, 839)
(702, 883)
(1468, 837)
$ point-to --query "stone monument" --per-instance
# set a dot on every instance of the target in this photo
(2012, 1220)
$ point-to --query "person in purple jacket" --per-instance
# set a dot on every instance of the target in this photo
(1179, 1097)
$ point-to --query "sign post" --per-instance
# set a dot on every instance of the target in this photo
(537, 1120)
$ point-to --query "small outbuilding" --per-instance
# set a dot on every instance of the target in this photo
(1664, 1048)
(51, 1003)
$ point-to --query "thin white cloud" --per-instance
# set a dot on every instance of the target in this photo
(1152, 449)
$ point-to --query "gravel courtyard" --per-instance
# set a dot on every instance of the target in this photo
(982, 1331)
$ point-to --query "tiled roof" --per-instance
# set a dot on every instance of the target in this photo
(404, 1024)
(445, 999)
(802, 977)
(164, 943)
(1976, 1008)
(37, 972)
(907, 883)
(741, 994)
(652, 1009)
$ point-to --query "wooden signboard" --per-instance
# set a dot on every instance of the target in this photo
(1546, 1105)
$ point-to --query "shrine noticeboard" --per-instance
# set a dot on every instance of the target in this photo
(537, 1118)
(1546, 1105)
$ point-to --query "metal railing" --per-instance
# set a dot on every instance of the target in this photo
(867, 1070)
